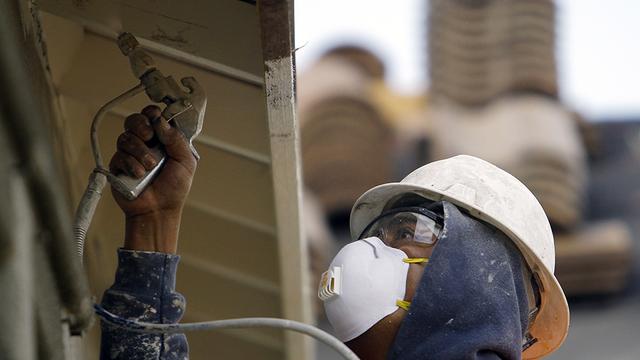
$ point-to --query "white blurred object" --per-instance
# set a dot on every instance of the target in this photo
(532, 137)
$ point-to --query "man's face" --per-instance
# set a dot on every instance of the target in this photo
(414, 231)
(417, 239)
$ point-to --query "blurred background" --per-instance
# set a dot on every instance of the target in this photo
(545, 89)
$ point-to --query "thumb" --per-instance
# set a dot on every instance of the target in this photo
(175, 144)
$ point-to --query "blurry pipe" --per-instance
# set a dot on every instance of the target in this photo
(27, 130)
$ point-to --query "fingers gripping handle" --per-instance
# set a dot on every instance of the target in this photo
(131, 187)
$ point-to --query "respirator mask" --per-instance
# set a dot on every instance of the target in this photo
(366, 280)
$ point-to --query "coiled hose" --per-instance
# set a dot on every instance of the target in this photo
(98, 179)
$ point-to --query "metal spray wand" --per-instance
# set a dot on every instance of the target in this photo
(185, 109)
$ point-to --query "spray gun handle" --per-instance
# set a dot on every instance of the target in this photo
(131, 187)
(184, 110)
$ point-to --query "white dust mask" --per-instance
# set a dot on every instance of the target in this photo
(363, 285)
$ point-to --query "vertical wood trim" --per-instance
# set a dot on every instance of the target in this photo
(276, 33)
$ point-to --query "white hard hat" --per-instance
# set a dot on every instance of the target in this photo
(492, 195)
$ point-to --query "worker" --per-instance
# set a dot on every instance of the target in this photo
(454, 262)
(144, 287)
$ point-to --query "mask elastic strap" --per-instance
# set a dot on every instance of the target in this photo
(415, 260)
(403, 304)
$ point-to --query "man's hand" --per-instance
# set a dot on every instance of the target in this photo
(153, 219)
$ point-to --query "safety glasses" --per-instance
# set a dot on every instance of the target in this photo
(405, 225)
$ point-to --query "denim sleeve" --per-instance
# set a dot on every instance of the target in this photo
(144, 290)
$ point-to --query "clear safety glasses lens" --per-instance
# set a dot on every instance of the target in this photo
(399, 227)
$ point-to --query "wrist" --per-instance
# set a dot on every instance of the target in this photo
(155, 231)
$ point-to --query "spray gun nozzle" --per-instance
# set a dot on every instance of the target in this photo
(141, 62)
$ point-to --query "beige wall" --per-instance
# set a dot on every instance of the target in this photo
(228, 240)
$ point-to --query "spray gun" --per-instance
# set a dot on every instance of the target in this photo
(184, 110)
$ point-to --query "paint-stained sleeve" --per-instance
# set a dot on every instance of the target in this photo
(144, 290)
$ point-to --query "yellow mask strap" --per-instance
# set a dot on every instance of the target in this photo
(416, 260)
(403, 304)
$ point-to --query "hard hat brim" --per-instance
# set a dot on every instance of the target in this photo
(552, 322)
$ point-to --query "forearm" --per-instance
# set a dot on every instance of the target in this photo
(144, 290)
(155, 231)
